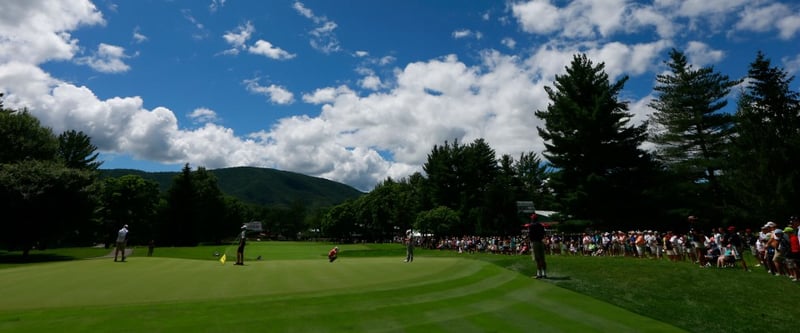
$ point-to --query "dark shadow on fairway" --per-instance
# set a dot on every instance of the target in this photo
(6, 258)
(558, 278)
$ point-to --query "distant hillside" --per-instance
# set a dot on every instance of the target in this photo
(261, 185)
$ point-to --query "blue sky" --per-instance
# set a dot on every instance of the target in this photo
(353, 91)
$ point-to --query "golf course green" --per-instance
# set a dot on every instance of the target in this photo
(295, 289)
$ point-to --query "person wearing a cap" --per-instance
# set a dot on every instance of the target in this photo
(409, 246)
(762, 246)
(333, 254)
(794, 253)
(699, 241)
(122, 240)
(242, 242)
(781, 244)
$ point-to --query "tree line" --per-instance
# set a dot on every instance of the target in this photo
(691, 157)
(52, 195)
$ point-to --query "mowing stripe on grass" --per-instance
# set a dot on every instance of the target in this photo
(379, 294)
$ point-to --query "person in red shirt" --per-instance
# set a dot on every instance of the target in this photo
(333, 254)
(794, 254)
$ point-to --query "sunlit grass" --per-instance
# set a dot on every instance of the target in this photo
(294, 288)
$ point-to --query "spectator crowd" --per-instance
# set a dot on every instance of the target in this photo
(776, 248)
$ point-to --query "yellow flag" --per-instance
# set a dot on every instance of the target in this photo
(222, 259)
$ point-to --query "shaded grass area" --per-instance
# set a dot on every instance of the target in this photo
(268, 250)
(15, 258)
(275, 250)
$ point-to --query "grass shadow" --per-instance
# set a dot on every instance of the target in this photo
(558, 278)
(18, 258)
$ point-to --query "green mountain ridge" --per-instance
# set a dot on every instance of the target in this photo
(262, 186)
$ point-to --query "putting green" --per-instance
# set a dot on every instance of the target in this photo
(350, 295)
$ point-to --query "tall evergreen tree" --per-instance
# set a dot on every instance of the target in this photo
(601, 173)
(534, 176)
(763, 172)
(459, 177)
(690, 129)
(442, 169)
(502, 198)
(77, 151)
(178, 227)
(209, 208)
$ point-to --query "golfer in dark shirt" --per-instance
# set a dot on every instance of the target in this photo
(536, 237)
(240, 249)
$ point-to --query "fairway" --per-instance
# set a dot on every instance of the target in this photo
(364, 294)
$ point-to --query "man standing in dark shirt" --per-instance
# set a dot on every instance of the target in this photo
(536, 237)
(733, 239)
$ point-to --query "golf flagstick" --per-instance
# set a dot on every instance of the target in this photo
(224, 256)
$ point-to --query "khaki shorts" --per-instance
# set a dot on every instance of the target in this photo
(538, 251)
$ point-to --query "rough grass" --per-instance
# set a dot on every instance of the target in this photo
(683, 294)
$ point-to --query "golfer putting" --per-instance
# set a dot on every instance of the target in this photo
(409, 246)
(122, 240)
(240, 249)
(333, 254)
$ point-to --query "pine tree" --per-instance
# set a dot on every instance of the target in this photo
(763, 173)
(599, 169)
(459, 177)
(533, 175)
(76, 150)
(690, 129)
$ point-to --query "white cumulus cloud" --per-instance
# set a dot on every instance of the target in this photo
(39, 31)
(203, 115)
(265, 48)
(107, 59)
(276, 94)
(384, 122)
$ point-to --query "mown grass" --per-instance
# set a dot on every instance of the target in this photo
(284, 294)
(682, 294)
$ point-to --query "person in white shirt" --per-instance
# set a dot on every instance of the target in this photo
(122, 240)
